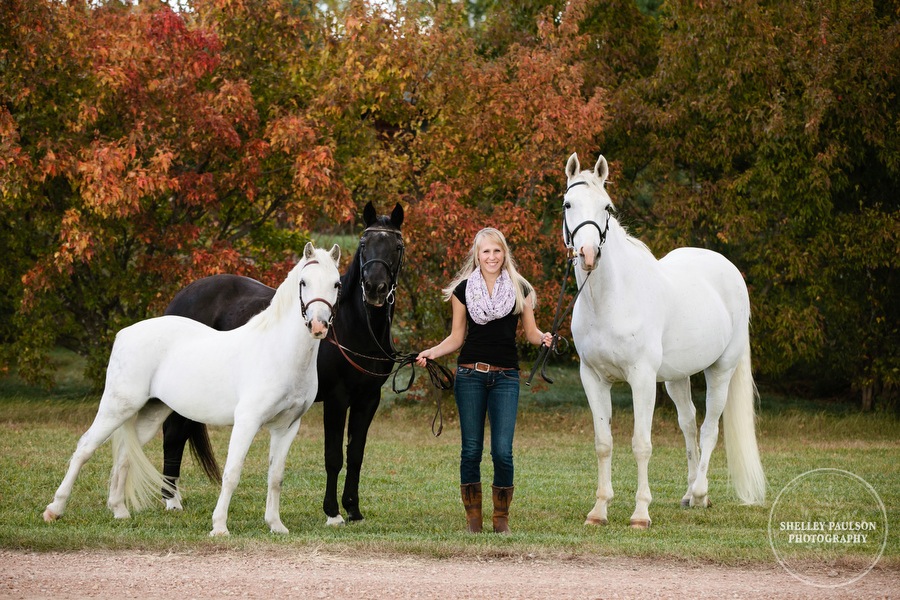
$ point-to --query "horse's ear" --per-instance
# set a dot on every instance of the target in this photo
(601, 169)
(369, 214)
(336, 254)
(309, 251)
(573, 167)
(397, 216)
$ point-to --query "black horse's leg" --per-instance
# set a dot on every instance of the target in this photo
(361, 415)
(176, 432)
(334, 416)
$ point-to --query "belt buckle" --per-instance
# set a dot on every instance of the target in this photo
(482, 367)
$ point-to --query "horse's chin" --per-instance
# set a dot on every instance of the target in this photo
(377, 303)
(587, 267)
(320, 335)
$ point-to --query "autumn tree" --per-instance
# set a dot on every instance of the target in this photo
(131, 163)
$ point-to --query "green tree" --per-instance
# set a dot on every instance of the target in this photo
(772, 131)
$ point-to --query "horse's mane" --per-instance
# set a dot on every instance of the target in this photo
(596, 184)
(285, 299)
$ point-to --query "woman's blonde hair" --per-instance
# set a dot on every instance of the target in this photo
(521, 286)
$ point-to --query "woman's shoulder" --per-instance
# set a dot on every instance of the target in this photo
(460, 290)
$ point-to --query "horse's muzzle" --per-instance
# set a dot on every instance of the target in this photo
(589, 257)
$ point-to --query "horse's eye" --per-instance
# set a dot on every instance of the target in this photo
(337, 285)
(302, 283)
(567, 205)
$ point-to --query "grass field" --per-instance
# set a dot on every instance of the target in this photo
(410, 493)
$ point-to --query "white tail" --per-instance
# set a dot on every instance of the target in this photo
(142, 481)
(739, 421)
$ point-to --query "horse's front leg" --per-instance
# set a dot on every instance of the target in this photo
(334, 417)
(280, 444)
(680, 392)
(241, 437)
(643, 391)
(361, 415)
(599, 398)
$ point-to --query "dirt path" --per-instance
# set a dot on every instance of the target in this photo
(114, 575)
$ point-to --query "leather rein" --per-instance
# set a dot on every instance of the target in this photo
(441, 377)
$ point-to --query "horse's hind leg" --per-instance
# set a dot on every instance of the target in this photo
(148, 422)
(361, 415)
(176, 432)
(334, 419)
(280, 444)
(105, 422)
(716, 395)
(680, 392)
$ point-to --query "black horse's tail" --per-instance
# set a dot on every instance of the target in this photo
(202, 450)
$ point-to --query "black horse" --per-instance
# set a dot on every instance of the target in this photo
(353, 363)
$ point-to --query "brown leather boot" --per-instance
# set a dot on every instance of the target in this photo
(471, 497)
(502, 500)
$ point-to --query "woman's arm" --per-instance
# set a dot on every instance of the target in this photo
(532, 333)
(452, 342)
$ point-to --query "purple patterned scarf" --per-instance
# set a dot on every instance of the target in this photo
(482, 306)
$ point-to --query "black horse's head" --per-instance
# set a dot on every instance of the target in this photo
(380, 255)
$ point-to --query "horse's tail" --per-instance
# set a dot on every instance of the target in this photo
(202, 450)
(142, 481)
(739, 420)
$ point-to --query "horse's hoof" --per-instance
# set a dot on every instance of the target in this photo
(334, 521)
(50, 516)
(279, 530)
(357, 516)
(686, 502)
(219, 532)
(640, 523)
(596, 521)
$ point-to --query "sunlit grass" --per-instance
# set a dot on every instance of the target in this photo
(410, 492)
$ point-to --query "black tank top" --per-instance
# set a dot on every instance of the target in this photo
(493, 343)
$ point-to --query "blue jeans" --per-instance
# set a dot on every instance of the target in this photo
(495, 395)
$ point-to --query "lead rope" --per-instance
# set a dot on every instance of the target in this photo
(560, 315)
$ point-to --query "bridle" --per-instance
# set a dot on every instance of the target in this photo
(560, 315)
(569, 236)
(305, 305)
(395, 274)
(441, 377)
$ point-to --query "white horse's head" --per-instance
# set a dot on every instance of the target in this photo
(320, 286)
(586, 210)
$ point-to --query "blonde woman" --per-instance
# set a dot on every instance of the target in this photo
(488, 298)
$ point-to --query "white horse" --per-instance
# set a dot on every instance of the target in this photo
(643, 321)
(261, 374)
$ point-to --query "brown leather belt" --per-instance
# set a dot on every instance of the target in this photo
(484, 367)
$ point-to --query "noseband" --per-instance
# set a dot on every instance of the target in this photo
(570, 235)
(305, 305)
(394, 274)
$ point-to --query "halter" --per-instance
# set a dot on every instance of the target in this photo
(390, 298)
(305, 305)
(570, 235)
